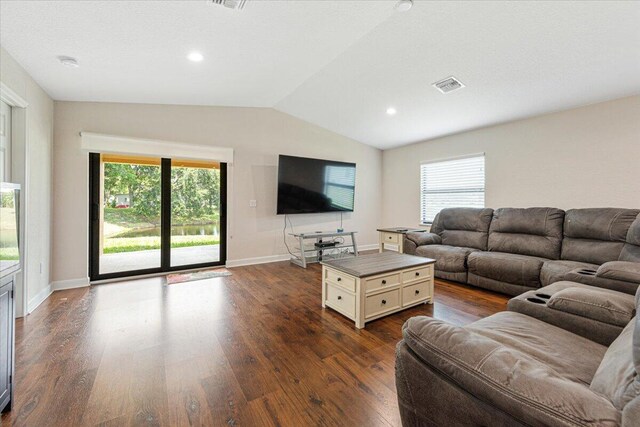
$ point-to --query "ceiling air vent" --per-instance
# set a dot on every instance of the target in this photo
(231, 4)
(448, 85)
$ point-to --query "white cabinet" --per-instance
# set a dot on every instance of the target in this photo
(7, 321)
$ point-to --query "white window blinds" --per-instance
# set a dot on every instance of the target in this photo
(449, 184)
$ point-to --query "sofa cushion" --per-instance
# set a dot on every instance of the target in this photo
(631, 249)
(633, 234)
(448, 258)
(563, 351)
(590, 278)
(556, 270)
(608, 224)
(614, 308)
(530, 231)
(504, 267)
(596, 235)
(466, 227)
(617, 377)
(620, 270)
(630, 253)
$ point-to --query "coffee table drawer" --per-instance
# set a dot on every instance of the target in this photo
(341, 279)
(417, 274)
(382, 281)
(341, 301)
(381, 303)
(391, 238)
(416, 292)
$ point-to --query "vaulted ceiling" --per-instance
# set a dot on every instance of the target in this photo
(338, 64)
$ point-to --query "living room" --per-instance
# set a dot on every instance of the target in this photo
(463, 130)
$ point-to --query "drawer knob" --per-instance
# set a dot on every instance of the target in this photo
(390, 237)
(384, 282)
(417, 292)
(384, 301)
(339, 297)
(339, 279)
(417, 273)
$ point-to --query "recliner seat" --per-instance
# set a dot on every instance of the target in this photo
(510, 369)
(594, 237)
(451, 261)
(520, 241)
(459, 232)
(504, 272)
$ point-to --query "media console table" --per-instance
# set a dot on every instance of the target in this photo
(375, 285)
(309, 254)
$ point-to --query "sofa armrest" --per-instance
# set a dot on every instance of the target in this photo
(613, 308)
(424, 238)
(505, 378)
(589, 277)
(620, 270)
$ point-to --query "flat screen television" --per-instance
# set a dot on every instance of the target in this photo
(314, 185)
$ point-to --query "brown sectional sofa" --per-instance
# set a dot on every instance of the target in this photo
(514, 250)
(511, 369)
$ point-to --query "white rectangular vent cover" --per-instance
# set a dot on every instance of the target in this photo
(448, 85)
(231, 4)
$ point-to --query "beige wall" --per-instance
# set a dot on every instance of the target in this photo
(257, 135)
(584, 157)
(32, 168)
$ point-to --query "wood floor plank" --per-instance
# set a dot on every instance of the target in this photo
(370, 389)
(252, 349)
(189, 405)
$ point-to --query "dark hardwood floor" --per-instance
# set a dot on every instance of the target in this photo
(255, 348)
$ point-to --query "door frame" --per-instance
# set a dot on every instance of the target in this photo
(95, 204)
(19, 174)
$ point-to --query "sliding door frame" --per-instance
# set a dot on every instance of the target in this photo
(95, 204)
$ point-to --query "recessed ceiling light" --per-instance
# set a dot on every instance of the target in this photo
(391, 111)
(195, 57)
(404, 5)
(68, 61)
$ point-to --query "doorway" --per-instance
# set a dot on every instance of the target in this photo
(152, 215)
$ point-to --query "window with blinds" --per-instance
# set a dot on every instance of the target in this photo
(339, 186)
(451, 184)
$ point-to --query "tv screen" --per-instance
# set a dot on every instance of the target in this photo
(314, 185)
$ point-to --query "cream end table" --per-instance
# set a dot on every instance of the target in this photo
(375, 285)
(395, 236)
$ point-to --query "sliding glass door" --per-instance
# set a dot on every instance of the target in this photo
(129, 215)
(151, 215)
(195, 213)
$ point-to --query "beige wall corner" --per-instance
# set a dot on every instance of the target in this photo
(583, 157)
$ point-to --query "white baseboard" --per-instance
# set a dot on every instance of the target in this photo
(368, 247)
(257, 260)
(70, 284)
(39, 299)
(278, 258)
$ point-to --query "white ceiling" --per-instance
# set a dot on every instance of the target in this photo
(338, 64)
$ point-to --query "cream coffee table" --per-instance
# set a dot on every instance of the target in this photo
(375, 285)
